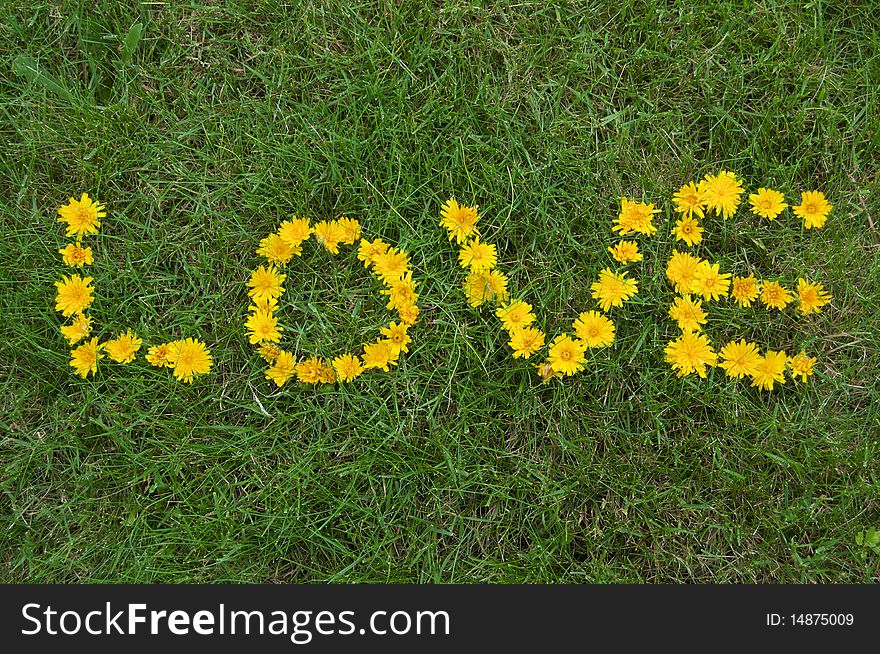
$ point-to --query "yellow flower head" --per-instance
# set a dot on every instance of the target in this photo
(689, 353)
(74, 254)
(545, 371)
(401, 293)
(295, 231)
(190, 357)
(347, 367)
(84, 358)
(277, 251)
(282, 369)
(566, 355)
(368, 251)
(709, 282)
(722, 192)
(688, 314)
(310, 371)
(525, 341)
(123, 348)
(593, 329)
(813, 209)
(774, 295)
(801, 366)
(626, 252)
(613, 289)
(459, 220)
(330, 235)
(515, 315)
(81, 216)
(681, 269)
(484, 286)
(740, 359)
(269, 352)
(326, 375)
(812, 296)
(263, 326)
(350, 230)
(158, 355)
(689, 201)
(688, 230)
(769, 369)
(767, 203)
(396, 335)
(744, 290)
(635, 217)
(379, 354)
(391, 265)
(408, 313)
(267, 304)
(78, 329)
(478, 256)
(74, 294)
(265, 284)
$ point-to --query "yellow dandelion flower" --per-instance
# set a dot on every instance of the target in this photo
(401, 293)
(767, 203)
(739, 359)
(78, 329)
(813, 209)
(478, 256)
(263, 326)
(688, 314)
(295, 231)
(689, 353)
(350, 230)
(408, 313)
(277, 251)
(774, 295)
(282, 369)
(515, 315)
(124, 347)
(269, 352)
(265, 284)
(84, 358)
(812, 296)
(190, 357)
(391, 265)
(310, 371)
(566, 355)
(459, 220)
(347, 367)
(635, 217)
(593, 329)
(330, 235)
(74, 294)
(801, 366)
(396, 335)
(368, 251)
(545, 371)
(709, 282)
(525, 341)
(689, 231)
(265, 304)
(769, 369)
(158, 355)
(722, 192)
(326, 375)
(74, 254)
(681, 269)
(744, 290)
(613, 289)
(689, 201)
(485, 285)
(379, 354)
(81, 216)
(626, 252)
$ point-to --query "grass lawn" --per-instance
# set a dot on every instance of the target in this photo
(460, 465)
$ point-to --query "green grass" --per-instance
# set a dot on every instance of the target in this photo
(460, 465)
